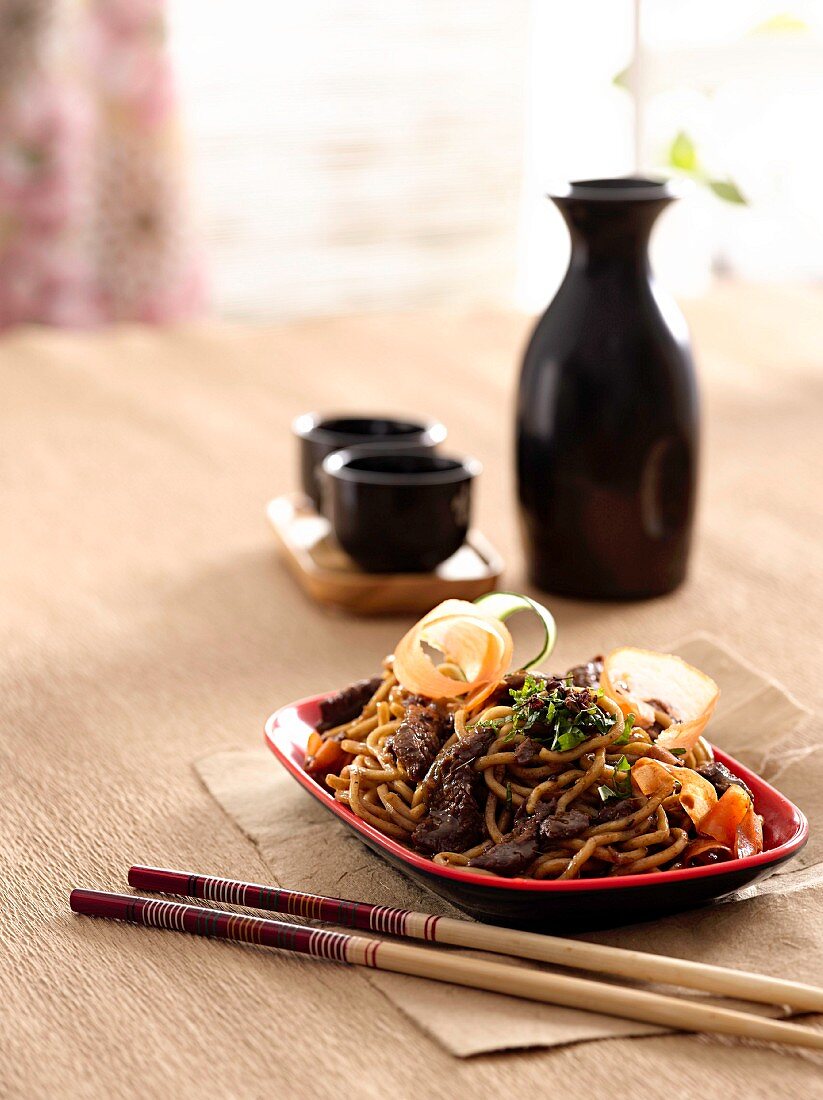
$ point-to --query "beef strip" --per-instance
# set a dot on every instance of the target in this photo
(582, 676)
(587, 675)
(455, 820)
(513, 682)
(721, 778)
(518, 848)
(527, 751)
(417, 740)
(562, 826)
(578, 700)
(529, 837)
(345, 705)
(612, 811)
(574, 700)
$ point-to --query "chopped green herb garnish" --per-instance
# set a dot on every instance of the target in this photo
(532, 685)
(508, 796)
(568, 740)
(628, 726)
(678, 752)
(622, 777)
(556, 714)
(553, 713)
(489, 724)
(621, 782)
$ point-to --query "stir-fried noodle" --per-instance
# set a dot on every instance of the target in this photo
(545, 778)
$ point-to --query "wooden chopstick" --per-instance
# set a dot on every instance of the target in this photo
(474, 972)
(595, 957)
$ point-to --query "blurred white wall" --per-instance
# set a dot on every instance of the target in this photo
(579, 125)
(357, 154)
(354, 154)
(742, 79)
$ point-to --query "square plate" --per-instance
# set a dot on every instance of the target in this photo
(547, 905)
(330, 577)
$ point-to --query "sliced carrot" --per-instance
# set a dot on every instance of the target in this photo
(696, 795)
(480, 695)
(726, 816)
(314, 744)
(749, 839)
(330, 757)
(651, 777)
(481, 646)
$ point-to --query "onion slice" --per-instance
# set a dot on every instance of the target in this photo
(479, 644)
(640, 680)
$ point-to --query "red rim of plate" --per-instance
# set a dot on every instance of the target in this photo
(762, 859)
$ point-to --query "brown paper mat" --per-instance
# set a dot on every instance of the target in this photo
(774, 927)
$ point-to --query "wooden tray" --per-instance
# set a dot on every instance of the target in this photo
(325, 572)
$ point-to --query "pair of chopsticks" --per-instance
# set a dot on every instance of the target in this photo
(474, 972)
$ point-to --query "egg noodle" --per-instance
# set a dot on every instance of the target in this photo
(543, 807)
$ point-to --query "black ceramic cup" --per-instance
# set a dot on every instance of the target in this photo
(319, 435)
(399, 511)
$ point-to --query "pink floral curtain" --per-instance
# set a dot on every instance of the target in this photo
(93, 218)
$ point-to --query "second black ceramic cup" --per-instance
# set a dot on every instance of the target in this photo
(319, 435)
(399, 511)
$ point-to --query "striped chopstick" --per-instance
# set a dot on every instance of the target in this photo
(594, 957)
(473, 972)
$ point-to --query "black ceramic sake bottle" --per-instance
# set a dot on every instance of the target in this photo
(607, 416)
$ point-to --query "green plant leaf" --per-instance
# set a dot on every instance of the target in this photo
(782, 23)
(621, 79)
(683, 153)
(728, 191)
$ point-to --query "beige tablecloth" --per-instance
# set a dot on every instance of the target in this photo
(304, 850)
(145, 621)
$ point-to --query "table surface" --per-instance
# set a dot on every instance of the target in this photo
(146, 620)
